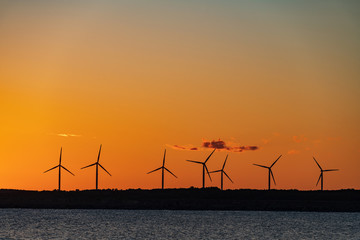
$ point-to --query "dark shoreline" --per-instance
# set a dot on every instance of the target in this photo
(186, 199)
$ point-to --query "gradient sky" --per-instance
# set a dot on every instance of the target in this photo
(142, 76)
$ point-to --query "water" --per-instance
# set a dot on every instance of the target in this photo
(154, 224)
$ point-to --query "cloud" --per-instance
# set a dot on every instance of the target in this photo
(221, 145)
(214, 144)
(187, 147)
(299, 139)
(293, 151)
(178, 147)
(218, 144)
(271, 138)
(67, 135)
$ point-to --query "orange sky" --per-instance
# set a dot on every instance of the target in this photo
(141, 77)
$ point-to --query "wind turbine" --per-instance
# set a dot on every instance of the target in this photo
(222, 173)
(97, 164)
(322, 175)
(59, 166)
(270, 171)
(204, 167)
(163, 168)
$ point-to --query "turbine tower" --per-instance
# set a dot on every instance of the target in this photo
(322, 174)
(163, 168)
(59, 166)
(222, 173)
(204, 168)
(97, 164)
(271, 175)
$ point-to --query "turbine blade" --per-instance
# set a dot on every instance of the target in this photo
(228, 177)
(88, 166)
(60, 156)
(104, 169)
(225, 161)
(194, 161)
(155, 170)
(209, 155)
(51, 169)
(330, 170)
(98, 159)
(260, 165)
(318, 179)
(170, 172)
(67, 170)
(272, 175)
(215, 171)
(275, 161)
(317, 163)
(164, 158)
(208, 172)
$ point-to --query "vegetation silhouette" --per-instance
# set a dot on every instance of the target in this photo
(186, 199)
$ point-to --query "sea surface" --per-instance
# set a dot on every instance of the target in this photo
(164, 224)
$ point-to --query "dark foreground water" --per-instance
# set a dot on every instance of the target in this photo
(153, 224)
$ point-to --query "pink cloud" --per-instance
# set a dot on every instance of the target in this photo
(221, 145)
(218, 144)
(178, 147)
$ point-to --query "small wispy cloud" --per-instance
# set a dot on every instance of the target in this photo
(187, 147)
(218, 144)
(271, 138)
(299, 139)
(293, 151)
(67, 135)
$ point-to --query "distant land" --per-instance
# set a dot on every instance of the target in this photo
(186, 199)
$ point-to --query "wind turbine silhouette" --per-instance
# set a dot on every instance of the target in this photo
(270, 171)
(322, 175)
(163, 168)
(97, 164)
(222, 173)
(204, 167)
(59, 166)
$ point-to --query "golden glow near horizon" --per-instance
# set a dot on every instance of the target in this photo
(141, 77)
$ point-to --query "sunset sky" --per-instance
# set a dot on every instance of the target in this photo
(263, 78)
